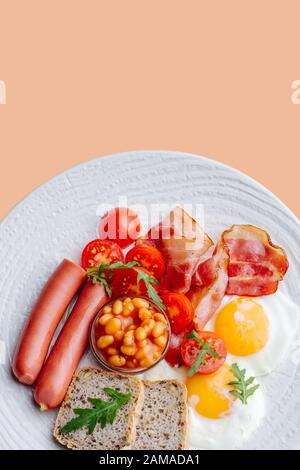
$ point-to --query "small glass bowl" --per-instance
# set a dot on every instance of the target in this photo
(102, 359)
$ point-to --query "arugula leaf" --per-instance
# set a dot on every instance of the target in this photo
(104, 273)
(102, 412)
(199, 361)
(92, 424)
(149, 280)
(194, 335)
(130, 264)
(242, 390)
(206, 348)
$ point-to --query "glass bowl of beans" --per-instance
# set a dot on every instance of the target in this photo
(130, 335)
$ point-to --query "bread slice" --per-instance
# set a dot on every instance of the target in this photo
(164, 416)
(89, 382)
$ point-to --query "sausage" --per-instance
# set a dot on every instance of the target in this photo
(56, 375)
(41, 324)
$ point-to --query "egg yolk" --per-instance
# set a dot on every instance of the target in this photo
(243, 326)
(210, 394)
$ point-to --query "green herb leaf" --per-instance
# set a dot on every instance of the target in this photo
(241, 390)
(92, 424)
(152, 293)
(149, 280)
(250, 381)
(206, 348)
(102, 412)
(104, 273)
(105, 284)
(237, 394)
(199, 361)
(251, 390)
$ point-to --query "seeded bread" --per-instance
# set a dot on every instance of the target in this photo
(164, 416)
(89, 382)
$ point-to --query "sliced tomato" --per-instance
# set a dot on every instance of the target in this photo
(100, 251)
(179, 310)
(150, 258)
(190, 349)
(121, 225)
(124, 282)
(173, 356)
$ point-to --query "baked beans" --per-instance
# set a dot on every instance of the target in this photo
(131, 333)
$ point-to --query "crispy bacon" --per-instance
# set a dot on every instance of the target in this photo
(212, 279)
(256, 264)
(183, 244)
(245, 262)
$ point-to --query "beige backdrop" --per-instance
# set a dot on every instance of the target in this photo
(91, 77)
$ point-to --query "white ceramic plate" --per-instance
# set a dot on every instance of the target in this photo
(58, 218)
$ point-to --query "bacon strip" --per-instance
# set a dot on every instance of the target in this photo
(245, 262)
(183, 244)
(256, 264)
(212, 278)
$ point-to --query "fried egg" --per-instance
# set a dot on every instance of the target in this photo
(217, 420)
(258, 332)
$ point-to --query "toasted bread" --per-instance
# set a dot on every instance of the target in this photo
(89, 383)
(164, 416)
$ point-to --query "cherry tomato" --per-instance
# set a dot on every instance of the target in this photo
(100, 251)
(173, 356)
(124, 282)
(190, 349)
(120, 225)
(150, 258)
(179, 310)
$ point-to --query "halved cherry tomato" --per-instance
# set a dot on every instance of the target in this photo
(124, 282)
(190, 349)
(150, 258)
(179, 310)
(173, 356)
(120, 225)
(100, 251)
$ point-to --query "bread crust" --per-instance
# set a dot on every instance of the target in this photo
(135, 413)
(133, 416)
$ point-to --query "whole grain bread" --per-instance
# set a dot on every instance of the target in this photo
(164, 416)
(89, 382)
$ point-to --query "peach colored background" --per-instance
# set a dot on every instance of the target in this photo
(91, 77)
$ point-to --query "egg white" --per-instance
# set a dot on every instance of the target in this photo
(163, 371)
(229, 432)
(283, 316)
(233, 430)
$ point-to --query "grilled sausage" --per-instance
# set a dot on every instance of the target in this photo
(71, 343)
(46, 314)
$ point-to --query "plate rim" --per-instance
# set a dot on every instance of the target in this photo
(154, 153)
